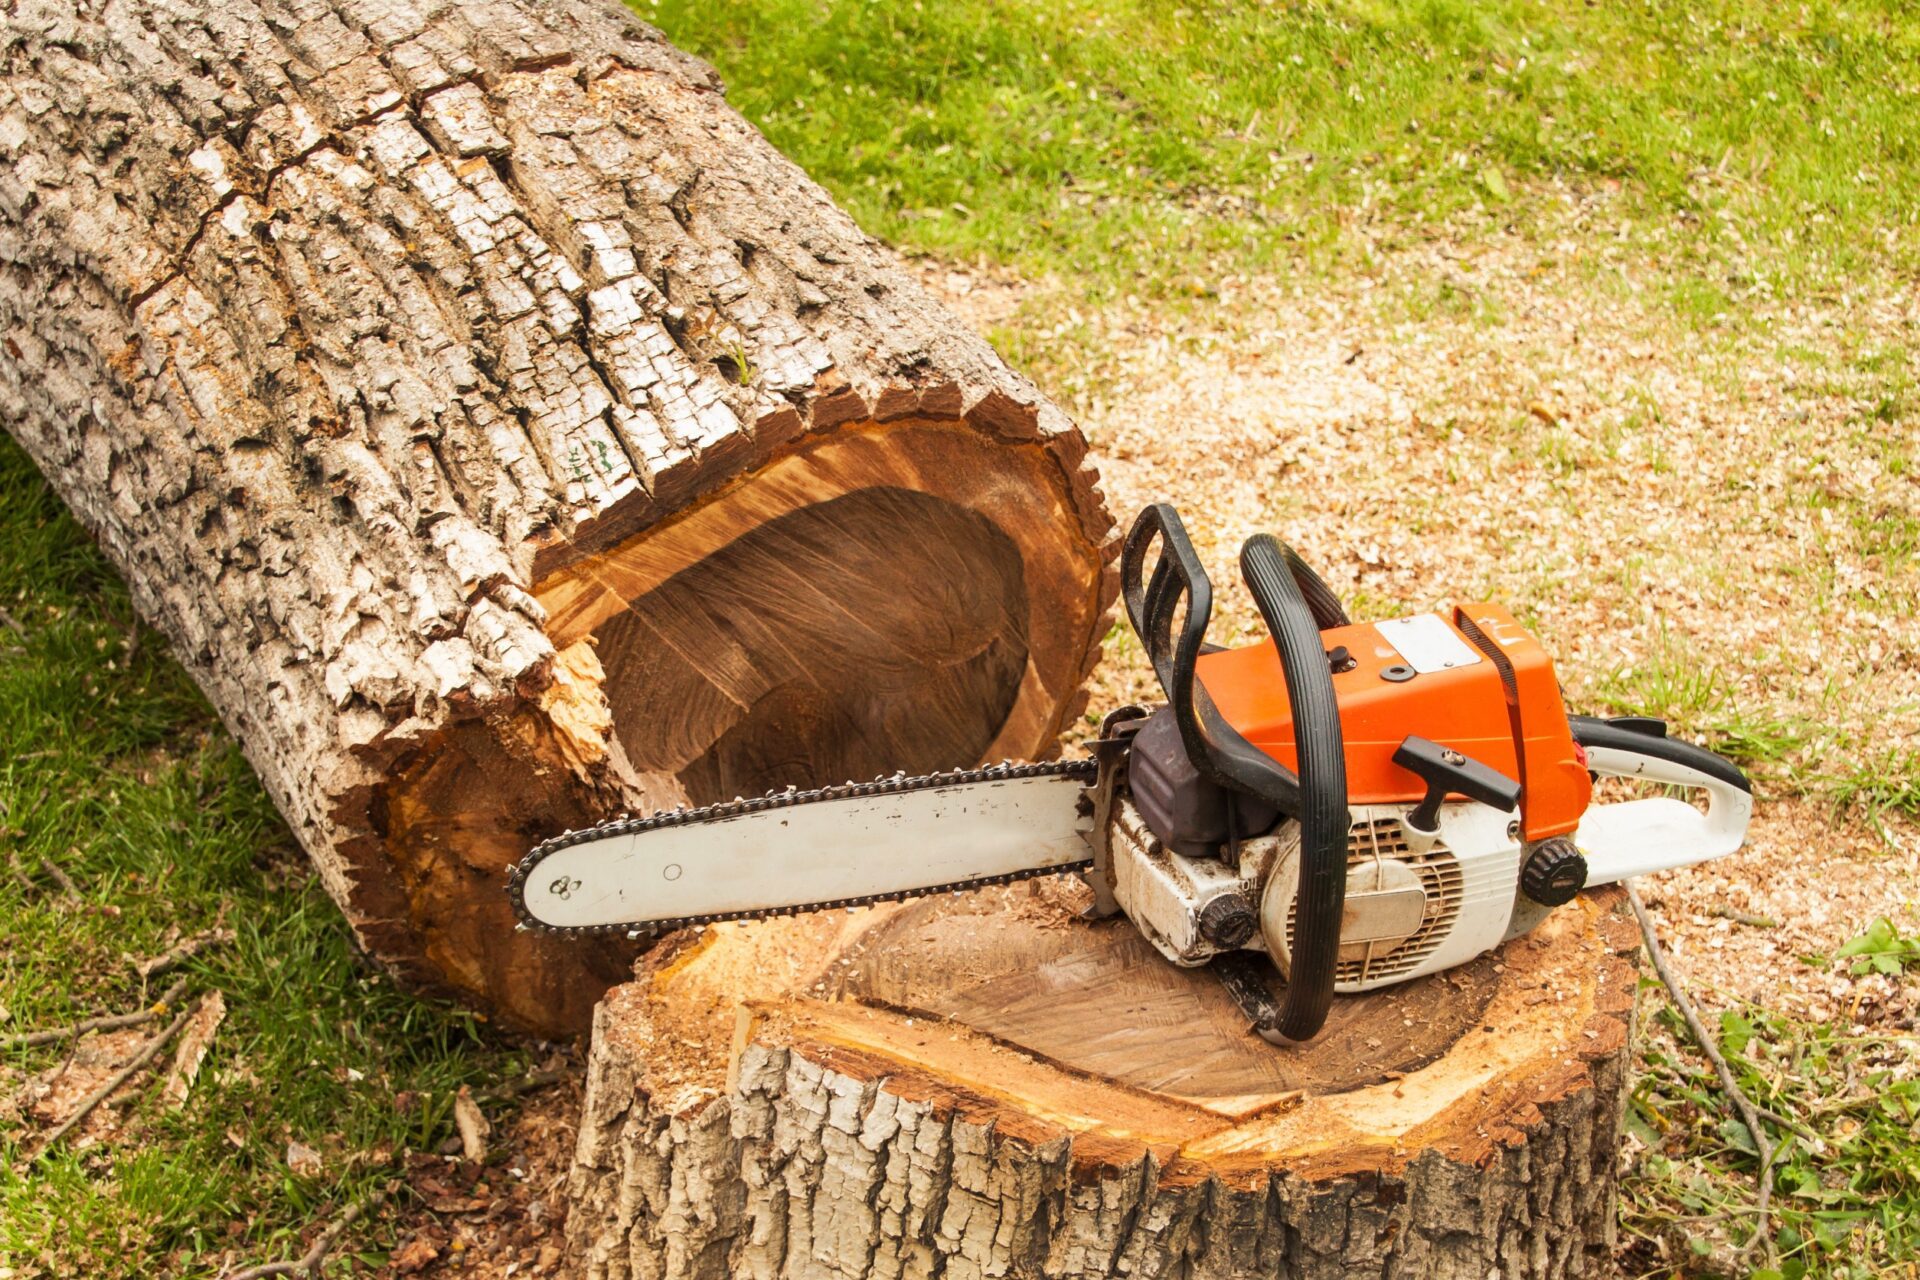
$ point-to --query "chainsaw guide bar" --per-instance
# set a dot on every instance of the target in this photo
(1081, 772)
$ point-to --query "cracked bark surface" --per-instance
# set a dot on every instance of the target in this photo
(506, 436)
(990, 1086)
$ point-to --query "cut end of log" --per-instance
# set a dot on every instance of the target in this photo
(844, 1082)
(917, 595)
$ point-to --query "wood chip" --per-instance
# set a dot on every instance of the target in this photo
(415, 1255)
(303, 1159)
(473, 1126)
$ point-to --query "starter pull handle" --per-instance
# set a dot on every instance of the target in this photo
(1445, 770)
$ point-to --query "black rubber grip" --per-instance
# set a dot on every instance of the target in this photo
(1644, 736)
(1317, 795)
(1322, 785)
(1328, 612)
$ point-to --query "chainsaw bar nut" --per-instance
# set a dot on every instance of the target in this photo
(1556, 870)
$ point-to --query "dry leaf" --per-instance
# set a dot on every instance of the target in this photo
(303, 1159)
(196, 1038)
(415, 1255)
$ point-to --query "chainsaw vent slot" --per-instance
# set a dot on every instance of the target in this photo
(1369, 845)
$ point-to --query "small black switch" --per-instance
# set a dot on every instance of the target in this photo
(1339, 660)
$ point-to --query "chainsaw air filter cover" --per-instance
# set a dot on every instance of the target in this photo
(1189, 814)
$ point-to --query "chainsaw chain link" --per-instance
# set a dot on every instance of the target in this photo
(1082, 771)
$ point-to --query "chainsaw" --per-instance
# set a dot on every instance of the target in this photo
(1359, 804)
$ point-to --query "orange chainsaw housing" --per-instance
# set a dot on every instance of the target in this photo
(1504, 711)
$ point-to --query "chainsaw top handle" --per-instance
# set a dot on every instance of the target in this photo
(1317, 795)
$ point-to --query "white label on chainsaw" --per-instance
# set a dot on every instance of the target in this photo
(1426, 643)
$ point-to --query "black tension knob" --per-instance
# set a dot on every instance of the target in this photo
(1555, 871)
(1228, 920)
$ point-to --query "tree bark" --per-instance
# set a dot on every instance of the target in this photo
(991, 1086)
(506, 436)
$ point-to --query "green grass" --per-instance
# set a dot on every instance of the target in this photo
(1755, 144)
(117, 772)
(1696, 697)
(1841, 1110)
(1745, 150)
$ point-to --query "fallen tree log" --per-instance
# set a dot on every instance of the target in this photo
(989, 1085)
(506, 436)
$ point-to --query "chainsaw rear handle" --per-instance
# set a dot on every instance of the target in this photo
(1634, 837)
(1317, 795)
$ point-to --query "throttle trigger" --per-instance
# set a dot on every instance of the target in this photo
(1445, 770)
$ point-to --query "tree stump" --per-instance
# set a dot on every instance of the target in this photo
(506, 436)
(988, 1085)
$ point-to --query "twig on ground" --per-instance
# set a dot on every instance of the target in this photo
(527, 1083)
(309, 1262)
(120, 1077)
(1741, 917)
(61, 878)
(11, 623)
(1785, 1122)
(116, 1022)
(182, 952)
(1749, 1114)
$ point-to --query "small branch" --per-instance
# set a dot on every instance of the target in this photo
(183, 952)
(61, 878)
(529, 1083)
(1741, 917)
(11, 623)
(1749, 1114)
(119, 1021)
(309, 1262)
(120, 1077)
